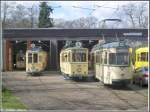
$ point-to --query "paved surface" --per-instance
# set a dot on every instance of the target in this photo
(52, 92)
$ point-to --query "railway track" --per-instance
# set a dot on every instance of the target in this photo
(136, 91)
(120, 98)
(85, 88)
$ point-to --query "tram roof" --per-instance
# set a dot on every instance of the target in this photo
(74, 48)
(110, 45)
(34, 49)
(73, 34)
(114, 45)
(143, 49)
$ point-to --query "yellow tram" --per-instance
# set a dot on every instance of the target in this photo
(74, 62)
(36, 60)
(20, 60)
(140, 57)
(112, 63)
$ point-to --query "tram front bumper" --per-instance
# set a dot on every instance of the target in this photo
(80, 76)
(121, 81)
(33, 71)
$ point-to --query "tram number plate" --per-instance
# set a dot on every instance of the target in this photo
(122, 50)
(79, 68)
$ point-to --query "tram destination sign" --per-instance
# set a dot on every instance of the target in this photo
(133, 34)
(122, 50)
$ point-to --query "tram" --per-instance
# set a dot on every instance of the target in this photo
(140, 57)
(36, 60)
(74, 62)
(20, 60)
(112, 63)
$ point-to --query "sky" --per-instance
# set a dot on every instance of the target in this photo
(69, 9)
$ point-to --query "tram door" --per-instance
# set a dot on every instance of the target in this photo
(105, 68)
(101, 67)
(97, 65)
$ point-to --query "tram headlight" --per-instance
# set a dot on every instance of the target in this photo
(79, 70)
(122, 75)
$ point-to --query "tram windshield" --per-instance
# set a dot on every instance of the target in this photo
(34, 58)
(143, 56)
(119, 58)
(79, 56)
(20, 58)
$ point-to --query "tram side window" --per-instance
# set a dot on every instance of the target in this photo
(40, 58)
(69, 57)
(101, 59)
(30, 58)
(62, 57)
(97, 57)
(105, 58)
(112, 58)
(35, 58)
(66, 57)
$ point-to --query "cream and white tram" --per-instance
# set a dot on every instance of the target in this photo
(112, 63)
(20, 60)
(36, 60)
(74, 62)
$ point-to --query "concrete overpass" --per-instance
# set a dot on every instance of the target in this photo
(73, 34)
(52, 36)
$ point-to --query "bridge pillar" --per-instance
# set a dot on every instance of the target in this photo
(29, 44)
(53, 55)
(8, 56)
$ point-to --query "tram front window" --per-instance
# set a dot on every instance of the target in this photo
(35, 58)
(119, 58)
(79, 56)
(122, 59)
(144, 56)
(20, 58)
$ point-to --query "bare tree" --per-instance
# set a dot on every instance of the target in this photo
(137, 14)
(142, 15)
(19, 17)
(89, 22)
(129, 11)
(33, 13)
(6, 10)
(59, 23)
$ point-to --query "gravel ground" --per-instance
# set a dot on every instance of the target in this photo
(52, 92)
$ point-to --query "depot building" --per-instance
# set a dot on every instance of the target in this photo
(52, 41)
